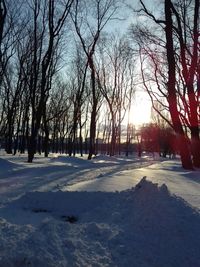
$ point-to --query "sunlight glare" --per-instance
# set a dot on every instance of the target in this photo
(141, 110)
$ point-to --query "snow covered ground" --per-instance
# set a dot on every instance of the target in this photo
(65, 211)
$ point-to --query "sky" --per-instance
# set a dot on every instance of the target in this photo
(141, 109)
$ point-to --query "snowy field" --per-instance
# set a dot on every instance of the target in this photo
(63, 211)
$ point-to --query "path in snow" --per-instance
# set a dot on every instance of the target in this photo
(185, 184)
(101, 174)
(52, 174)
(142, 227)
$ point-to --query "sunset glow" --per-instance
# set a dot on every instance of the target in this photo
(141, 110)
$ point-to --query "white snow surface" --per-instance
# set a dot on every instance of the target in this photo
(110, 211)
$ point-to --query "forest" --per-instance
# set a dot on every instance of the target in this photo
(70, 70)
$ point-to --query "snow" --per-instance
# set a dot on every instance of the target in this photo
(111, 211)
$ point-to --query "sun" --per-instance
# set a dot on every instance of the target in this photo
(140, 112)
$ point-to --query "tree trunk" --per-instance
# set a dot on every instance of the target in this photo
(92, 131)
(31, 148)
(172, 99)
(9, 139)
(113, 139)
(195, 146)
(93, 114)
(46, 143)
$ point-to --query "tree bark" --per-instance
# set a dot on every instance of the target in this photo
(171, 86)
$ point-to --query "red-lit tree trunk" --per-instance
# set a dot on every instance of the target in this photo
(171, 88)
(188, 71)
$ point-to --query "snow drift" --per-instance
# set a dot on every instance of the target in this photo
(145, 226)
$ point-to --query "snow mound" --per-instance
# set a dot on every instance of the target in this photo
(145, 226)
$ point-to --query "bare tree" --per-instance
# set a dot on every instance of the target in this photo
(115, 81)
(11, 81)
(91, 17)
(78, 83)
(42, 62)
(188, 38)
(167, 52)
